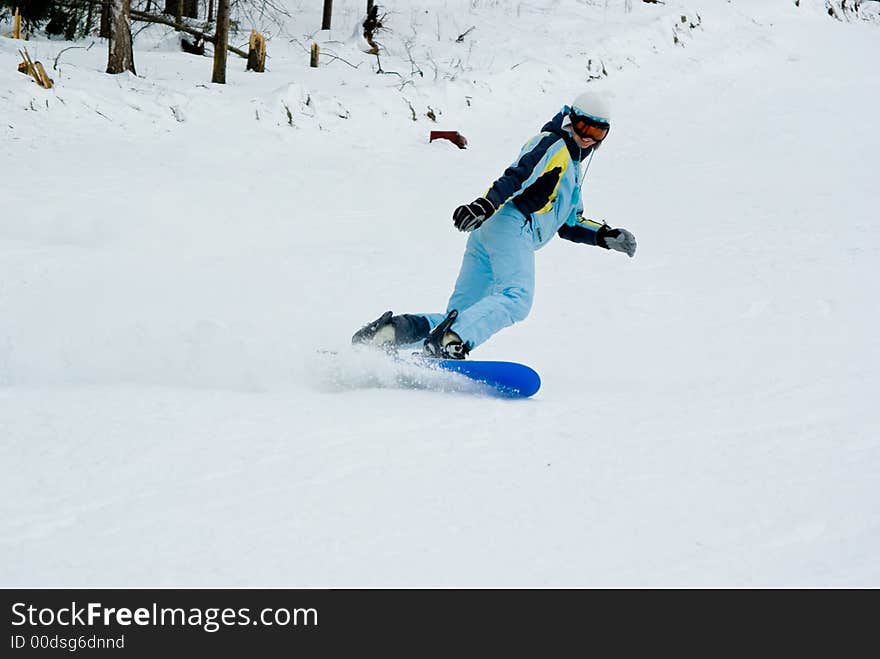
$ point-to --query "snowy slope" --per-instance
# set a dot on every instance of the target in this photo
(173, 252)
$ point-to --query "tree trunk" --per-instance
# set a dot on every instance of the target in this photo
(188, 8)
(328, 10)
(371, 24)
(220, 41)
(90, 17)
(104, 32)
(121, 56)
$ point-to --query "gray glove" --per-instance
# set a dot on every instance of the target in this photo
(620, 240)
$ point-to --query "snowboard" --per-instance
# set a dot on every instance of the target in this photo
(510, 379)
(359, 369)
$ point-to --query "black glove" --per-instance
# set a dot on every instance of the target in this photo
(619, 240)
(472, 215)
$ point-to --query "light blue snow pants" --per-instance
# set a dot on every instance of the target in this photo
(496, 283)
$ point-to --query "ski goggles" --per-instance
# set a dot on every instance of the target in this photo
(587, 129)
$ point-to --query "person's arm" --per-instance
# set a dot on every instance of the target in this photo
(583, 231)
(590, 232)
(531, 182)
(525, 171)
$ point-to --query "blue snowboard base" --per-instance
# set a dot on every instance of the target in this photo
(374, 368)
(509, 379)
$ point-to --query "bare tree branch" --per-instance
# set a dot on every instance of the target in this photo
(461, 36)
(332, 57)
(153, 18)
(64, 50)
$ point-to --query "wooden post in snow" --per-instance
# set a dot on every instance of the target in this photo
(221, 38)
(256, 53)
(34, 69)
(328, 11)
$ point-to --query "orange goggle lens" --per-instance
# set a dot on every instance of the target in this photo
(587, 129)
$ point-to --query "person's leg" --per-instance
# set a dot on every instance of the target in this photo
(391, 330)
(511, 258)
(495, 284)
(474, 280)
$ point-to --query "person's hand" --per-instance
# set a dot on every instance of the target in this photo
(472, 215)
(619, 240)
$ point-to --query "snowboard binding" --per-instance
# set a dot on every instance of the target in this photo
(443, 343)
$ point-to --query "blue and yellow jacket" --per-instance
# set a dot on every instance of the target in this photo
(544, 185)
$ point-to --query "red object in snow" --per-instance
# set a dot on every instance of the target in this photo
(453, 136)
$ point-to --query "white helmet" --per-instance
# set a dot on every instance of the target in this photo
(593, 106)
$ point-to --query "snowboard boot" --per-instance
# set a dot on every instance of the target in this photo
(443, 343)
(389, 331)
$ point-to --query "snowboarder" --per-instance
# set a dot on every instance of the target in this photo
(538, 196)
